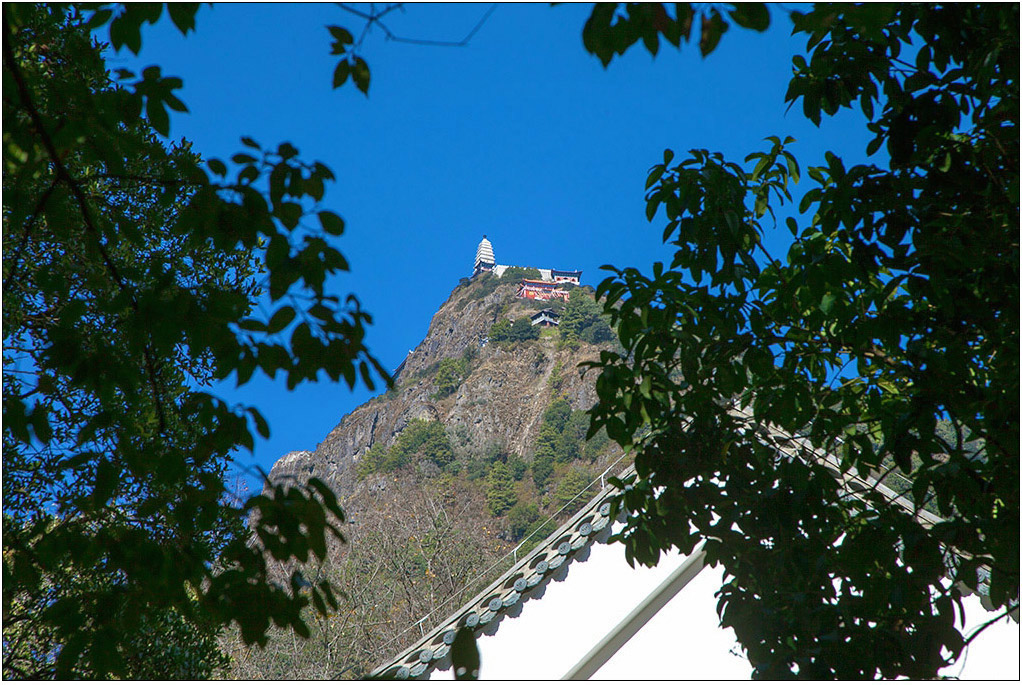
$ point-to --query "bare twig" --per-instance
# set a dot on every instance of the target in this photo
(374, 17)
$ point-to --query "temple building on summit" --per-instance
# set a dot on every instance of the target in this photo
(541, 290)
(564, 276)
(552, 283)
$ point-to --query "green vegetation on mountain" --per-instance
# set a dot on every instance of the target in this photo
(452, 371)
(583, 319)
(562, 439)
(573, 490)
(482, 285)
(504, 331)
(500, 489)
(514, 274)
(419, 441)
(487, 441)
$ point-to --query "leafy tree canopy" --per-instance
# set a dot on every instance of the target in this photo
(521, 519)
(542, 467)
(896, 307)
(571, 490)
(504, 331)
(557, 413)
(131, 274)
(523, 330)
(500, 331)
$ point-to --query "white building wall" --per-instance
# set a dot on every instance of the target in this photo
(683, 641)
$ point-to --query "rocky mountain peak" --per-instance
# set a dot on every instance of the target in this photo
(499, 398)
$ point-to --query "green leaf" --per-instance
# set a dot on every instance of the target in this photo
(827, 303)
(655, 174)
(41, 424)
(341, 73)
(331, 223)
(183, 15)
(287, 150)
(341, 35)
(107, 479)
(157, 115)
(289, 213)
(174, 103)
(712, 27)
(751, 15)
(218, 167)
(280, 319)
(248, 175)
(360, 74)
(260, 422)
(98, 18)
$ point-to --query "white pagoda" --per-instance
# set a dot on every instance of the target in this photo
(485, 260)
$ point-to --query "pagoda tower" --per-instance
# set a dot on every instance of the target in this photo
(485, 260)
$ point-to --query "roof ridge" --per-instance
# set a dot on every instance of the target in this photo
(526, 579)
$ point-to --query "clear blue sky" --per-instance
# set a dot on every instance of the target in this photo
(521, 135)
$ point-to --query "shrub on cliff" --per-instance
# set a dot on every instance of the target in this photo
(420, 440)
(503, 331)
(449, 375)
(513, 274)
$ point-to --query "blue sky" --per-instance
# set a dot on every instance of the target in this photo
(521, 135)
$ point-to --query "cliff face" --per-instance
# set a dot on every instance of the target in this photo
(427, 531)
(501, 399)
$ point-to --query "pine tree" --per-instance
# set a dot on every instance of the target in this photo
(542, 469)
(500, 494)
(570, 491)
(522, 330)
(557, 413)
(500, 330)
(547, 442)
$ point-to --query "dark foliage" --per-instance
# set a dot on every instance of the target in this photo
(129, 275)
(896, 307)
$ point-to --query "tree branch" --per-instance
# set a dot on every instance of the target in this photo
(30, 224)
(83, 203)
(375, 18)
(995, 619)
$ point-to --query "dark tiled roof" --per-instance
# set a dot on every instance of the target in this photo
(504, 597)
